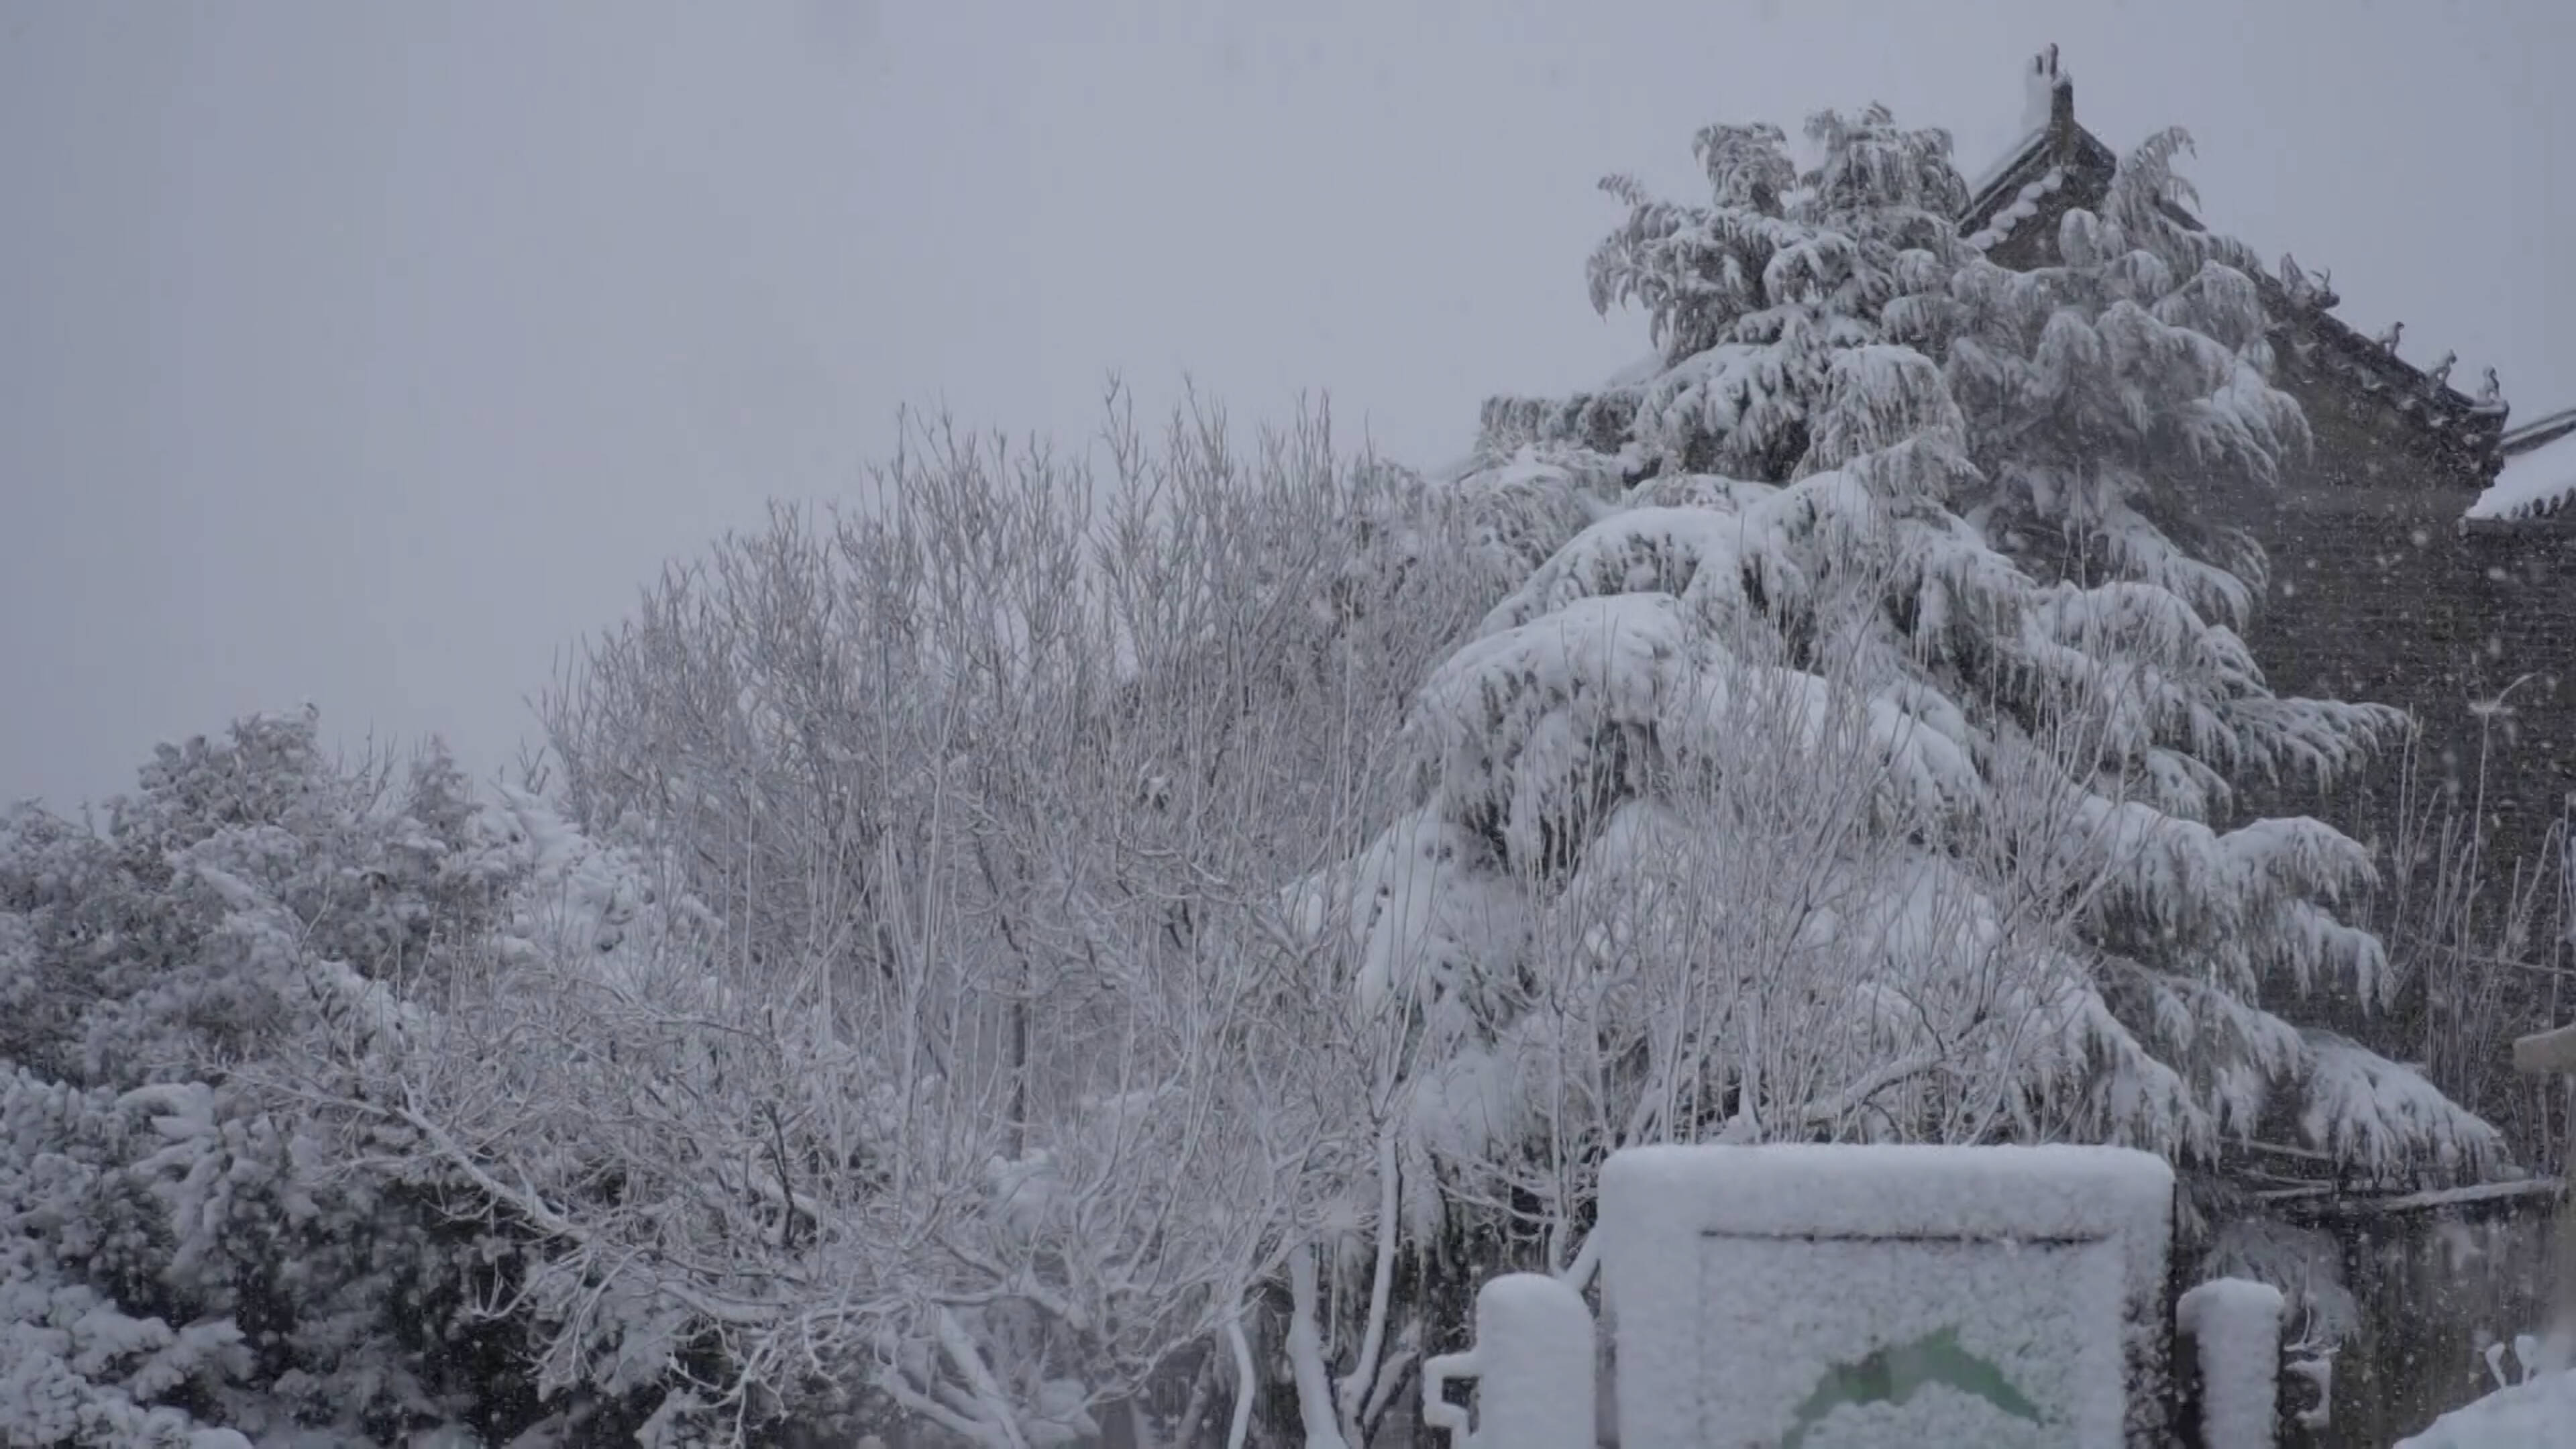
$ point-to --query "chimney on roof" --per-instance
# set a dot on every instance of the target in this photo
(2048, 100)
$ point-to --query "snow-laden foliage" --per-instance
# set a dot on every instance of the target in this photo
(83, 1358)
(1069, 948)
(895, 1016)
(1866, 771)
(187, 1251)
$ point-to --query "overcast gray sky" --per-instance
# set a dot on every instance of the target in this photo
(370, 354)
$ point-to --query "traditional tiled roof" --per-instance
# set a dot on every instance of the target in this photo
(2540, 432)
(2047, 97)
(2014, 185)
(2307, 338)
(2000, 220)
(2538, 479)
(2058, 163)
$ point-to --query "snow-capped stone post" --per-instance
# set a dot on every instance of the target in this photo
(1783, 1294)
(2553, 1053)
(1533, 1367)
(2234, 1325)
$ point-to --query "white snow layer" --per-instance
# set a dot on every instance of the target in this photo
(2237, 1324)
(2531, 484)
(2024, 206)
(1533, 1366)
(2537, 1413)
(1987, 176)
(1881, 1295)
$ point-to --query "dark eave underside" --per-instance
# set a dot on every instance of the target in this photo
(2539, 432)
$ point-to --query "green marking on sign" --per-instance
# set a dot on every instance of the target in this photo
(1894, 1375)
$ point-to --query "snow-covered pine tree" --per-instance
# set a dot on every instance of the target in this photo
(1860, 772)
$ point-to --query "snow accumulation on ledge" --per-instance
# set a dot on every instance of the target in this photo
(2534, 484)
(2024, 206)
(2534, 1413)
(1993, 172)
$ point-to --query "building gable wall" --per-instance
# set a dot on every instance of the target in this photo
(2377, 593)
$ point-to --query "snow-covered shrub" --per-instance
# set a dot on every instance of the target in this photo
(84, 1358)
(187, 1248)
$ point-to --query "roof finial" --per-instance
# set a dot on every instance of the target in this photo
(2491, 391)
(2440, 376)
(2313, 291)
(2296, 281)
(2388, 340)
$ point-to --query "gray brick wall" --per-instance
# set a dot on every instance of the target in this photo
(2377, 594)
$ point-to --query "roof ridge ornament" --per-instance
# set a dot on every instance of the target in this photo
(2491, 390)
(2309, 291)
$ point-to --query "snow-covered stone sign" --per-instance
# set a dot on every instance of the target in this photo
(1798, 1297)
